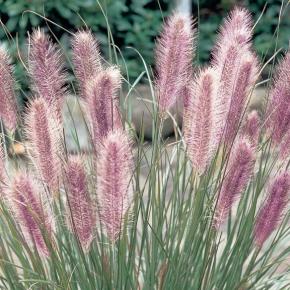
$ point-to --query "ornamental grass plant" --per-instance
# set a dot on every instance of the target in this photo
(208, 210)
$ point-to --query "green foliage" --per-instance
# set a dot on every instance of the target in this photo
(135, 23)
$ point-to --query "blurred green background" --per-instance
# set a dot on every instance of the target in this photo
(133, 23)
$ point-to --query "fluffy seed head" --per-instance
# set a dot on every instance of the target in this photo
(79, 201)
(114, 182)
(103, 103)
(8, 104)
(272, 210)
(278, 112)
(239, 172)
(245, 80)
(237, 28)
(43, 134)
(29, 211)
(203, 120)
(47, 70)
(174, 53)
(86, 58)
(251, 127)
(232, 46)
(3, 174)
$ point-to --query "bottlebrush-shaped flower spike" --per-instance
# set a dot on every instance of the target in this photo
(44, 137)
(232, 45)
(203, 120)
(103, 103)
(47, 70)
(115, 169)
(80, 205)
(236, 27)
(251, 127)
(240, 169)
(29, 211)
(278, 112)
(272, 210)
(8, 104)
(86, 58)
(245, 80)
(174, 54)
(3, 174)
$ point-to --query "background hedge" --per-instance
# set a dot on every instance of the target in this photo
(134, 23)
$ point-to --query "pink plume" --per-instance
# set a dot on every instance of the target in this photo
(245, 80)
(240, 169)
(86, 58)
(203, 120)
(115, 170)
(232, 46)
(3, 174)
(8, 104)
(103, 103)
(278, 112)
(174, 54)
(272, 209)
(29, 211)
(81, 210)
(47, 70)
(251, 127)
(43, 133)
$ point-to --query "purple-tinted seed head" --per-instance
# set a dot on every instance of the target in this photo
(239, 171)
(79, 201)
(245, 80)
(115, 165)
(47, 70)
(251, 127)
(231, 48)
(86, 58)
(8, 104)
(203, 120)
(174, 54)
(278, 111)
(102, 102)
(29, 211)
(272, 209)
(43, 134)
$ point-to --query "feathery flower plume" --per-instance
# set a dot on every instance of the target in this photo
(240, 169)
(203, 121)
(115, 166)
(47, 70)
(8, 104)
(232, 45)
(81, 210)
(86, 58)
(103, 103)
(278, 111)
(29, 211)
(251, 127)
(43, 134)
(3, 175)
(238, 27)
(272, 210)
(245, 80)
(174, 53)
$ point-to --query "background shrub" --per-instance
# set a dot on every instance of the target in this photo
(134, 23)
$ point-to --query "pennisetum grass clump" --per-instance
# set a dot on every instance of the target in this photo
(204, 209)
